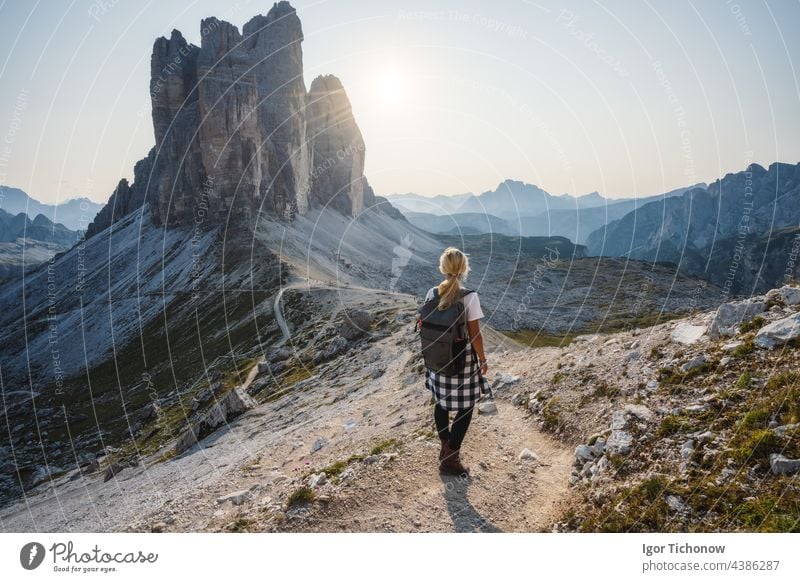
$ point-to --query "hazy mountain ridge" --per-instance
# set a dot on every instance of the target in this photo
(516, 208)
(75, 214)
(26, 243)
(704, 231)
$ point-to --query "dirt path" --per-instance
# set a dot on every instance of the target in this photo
(407, 493)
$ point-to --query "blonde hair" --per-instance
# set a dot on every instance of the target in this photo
(454, 265)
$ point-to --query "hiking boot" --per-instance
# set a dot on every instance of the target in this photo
(451, 463)
(445, 450)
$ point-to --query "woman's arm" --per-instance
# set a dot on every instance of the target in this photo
(476, 339)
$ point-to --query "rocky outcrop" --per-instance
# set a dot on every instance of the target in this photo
(730, 316)
(127, 197)
(779, 332)
(233, 404)
(237, 135)
(337, 148)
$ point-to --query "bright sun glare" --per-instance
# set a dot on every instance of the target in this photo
(392, 87)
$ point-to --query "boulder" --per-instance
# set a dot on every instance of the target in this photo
(113, 470)
(504, 380)
(687, 334)
(280, 355)
(693, 364)
(730, 316)
(233, 404)
(487, 407)
(237, 497)
(317, 480)
(781, 465)
(583, 454)
(619, 442)
(779, 332)
(790, 295)
(528, 455)
(784, 428)
(357, 322)
(639, 411)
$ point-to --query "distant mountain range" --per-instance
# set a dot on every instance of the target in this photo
(75, 214)
(517, 208)
(742, 232)
(26, 243)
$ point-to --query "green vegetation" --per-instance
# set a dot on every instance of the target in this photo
(537, 339)
(242, 524)
(336, 469)
(300, 496)
(757, 446)
(744, 380)
(673, 424)
(551, 414)
(769, 514)
(674, 377)
(725, 488)
(785, 389)
(745, 349)
(604, 389)
(383, 446)
(753, 325)
(640, 508)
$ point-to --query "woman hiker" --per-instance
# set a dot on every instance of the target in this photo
(459, 393)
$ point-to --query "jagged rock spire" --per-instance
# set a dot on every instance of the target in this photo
(237, 134)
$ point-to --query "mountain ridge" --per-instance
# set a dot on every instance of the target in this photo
(700, 224)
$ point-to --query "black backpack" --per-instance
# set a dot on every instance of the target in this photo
(444, 335)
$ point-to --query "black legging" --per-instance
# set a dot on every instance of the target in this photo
(454, 435)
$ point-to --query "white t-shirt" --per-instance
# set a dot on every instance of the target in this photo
(472, 304)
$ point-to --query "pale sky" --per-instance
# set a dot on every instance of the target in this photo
(626, 98)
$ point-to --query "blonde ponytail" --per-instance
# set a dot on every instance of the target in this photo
(454, 265)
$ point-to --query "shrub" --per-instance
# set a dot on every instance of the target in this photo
(673, 424)
(757, 446)
(382, 446)
(753, 325)
(300, 496)
(744, 380)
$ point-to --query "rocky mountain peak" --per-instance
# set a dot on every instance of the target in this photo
(237, 135)
(337, 149)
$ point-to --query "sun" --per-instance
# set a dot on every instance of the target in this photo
(392, 87)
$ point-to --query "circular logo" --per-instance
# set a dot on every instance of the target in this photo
(31, 555)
